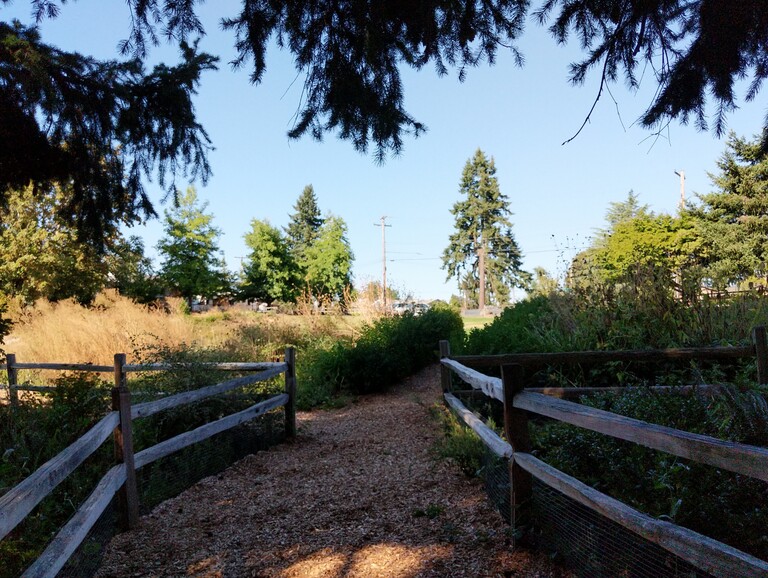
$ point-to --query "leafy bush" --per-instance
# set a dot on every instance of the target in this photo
(459, 443)
(384, 353)
(643, 313)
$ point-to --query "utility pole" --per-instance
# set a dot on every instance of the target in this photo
(383, 226)
(681, 174)
(481, 274)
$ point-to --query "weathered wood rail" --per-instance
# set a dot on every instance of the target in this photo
(704, 553)
(120, 480)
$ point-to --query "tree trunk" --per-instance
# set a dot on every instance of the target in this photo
(481, 275)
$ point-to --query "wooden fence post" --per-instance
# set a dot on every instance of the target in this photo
(127, 496)
(445, 373)
(290, 389)
(13, 377)
(761, 352)
(516, 430)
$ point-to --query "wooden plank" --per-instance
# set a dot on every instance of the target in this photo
(67, 367)
(740, 458)
(13, 375)
(19, 501)
(181, 441)
(575, 392)
(290, 390)
(490, 438)
(445, 373)
(152, 407)
(705, 553)
(516, 431)
(38, 388)
(592, 357)
(491, 386)
(69, 538)
(761, 352)
(222, 366)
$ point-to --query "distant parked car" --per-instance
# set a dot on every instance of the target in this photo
(420, 308)
(401, 307)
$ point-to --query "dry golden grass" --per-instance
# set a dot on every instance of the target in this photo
(66, 332)
(69, 333)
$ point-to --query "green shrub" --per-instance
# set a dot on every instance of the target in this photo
(459, 444)
(385, 352)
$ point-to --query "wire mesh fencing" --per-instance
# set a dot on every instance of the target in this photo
(156, 482)
(592, 545)
(581, 539)
(169, 476)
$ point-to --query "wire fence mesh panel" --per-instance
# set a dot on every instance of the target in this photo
(594, 546)
(87, 558)
(169, 476)
(585, 541)
(495, 476)
(161, 480)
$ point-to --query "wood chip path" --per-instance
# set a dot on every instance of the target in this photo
(360, 493)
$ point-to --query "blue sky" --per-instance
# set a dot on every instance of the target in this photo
(520, 116)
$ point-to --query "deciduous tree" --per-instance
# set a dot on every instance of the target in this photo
(131, 272)
(482, 253)
(191, 262)
(270, 273)
(40, 255)
(328, 262)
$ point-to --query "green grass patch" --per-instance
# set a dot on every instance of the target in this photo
(475, 322)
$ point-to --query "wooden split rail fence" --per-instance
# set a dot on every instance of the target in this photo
(704, 553)
(120, 480)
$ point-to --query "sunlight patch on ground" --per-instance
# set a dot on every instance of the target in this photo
(206, 568)
(321, 564)
(390, 560)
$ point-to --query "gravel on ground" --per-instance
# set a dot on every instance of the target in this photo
(359, 493)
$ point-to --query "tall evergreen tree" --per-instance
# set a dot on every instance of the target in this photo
(96, 129)
(733, 219)
(304, 226)
(482, 252)
(191, 263)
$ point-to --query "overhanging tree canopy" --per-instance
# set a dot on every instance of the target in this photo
(97, 128)
(351, 53)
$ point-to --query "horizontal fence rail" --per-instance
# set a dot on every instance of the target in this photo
(17, 503)
(740, 458)
(181, 441)
(707, 554)
(69, 538)
(151, 407)
(704, 553)
(595, 357)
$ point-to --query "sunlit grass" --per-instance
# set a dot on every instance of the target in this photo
(475, 322)
(66, 332)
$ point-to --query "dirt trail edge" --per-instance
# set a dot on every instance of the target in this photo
(359, 494)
